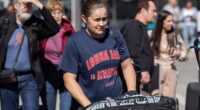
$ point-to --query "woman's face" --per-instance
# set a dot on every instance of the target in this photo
(168, 23)
(96, 22)
(188, 5)
(57, 14)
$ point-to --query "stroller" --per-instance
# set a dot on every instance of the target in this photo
(130, 101)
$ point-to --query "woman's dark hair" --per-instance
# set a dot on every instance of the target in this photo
(186, 1)
(156, 35)
(89, 5)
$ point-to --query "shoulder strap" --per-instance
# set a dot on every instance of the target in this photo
(18, 52)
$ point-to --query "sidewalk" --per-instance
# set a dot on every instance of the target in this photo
(188, 72)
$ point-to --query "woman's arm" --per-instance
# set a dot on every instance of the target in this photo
(75, 90)
(129, 74)
(183, 49)
(180, 51)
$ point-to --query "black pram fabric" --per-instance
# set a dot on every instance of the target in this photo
(136, 102)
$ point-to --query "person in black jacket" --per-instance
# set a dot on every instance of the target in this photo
(138, 42)
(25, 29)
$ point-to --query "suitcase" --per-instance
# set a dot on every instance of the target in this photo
(193, 96)
(135, 102)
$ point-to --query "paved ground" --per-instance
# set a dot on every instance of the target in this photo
(188, 72)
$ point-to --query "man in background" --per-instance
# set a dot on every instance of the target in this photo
(138, 41)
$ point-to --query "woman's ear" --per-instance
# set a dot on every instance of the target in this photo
(83, 17)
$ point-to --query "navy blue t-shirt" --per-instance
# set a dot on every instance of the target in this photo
(95, 62)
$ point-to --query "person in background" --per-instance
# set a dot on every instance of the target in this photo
(138, 41)
(172, 6)
(5, 12)
(188, 19)
(51, 53)
(92, 57)
(168, 46)
(26, 30)
(5, 3)
(9, 9)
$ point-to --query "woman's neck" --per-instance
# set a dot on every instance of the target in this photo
(164, 32)
(96, 36)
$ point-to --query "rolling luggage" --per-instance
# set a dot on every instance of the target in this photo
(135, 102)
(193, 96)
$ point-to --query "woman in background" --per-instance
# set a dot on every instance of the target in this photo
(168, 46)
(188, 18)
(52, 52)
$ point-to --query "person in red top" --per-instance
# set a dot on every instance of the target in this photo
(51, 54)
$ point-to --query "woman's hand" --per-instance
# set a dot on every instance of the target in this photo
(37, 3)
(174, 52)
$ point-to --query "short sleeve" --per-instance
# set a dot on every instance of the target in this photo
(70, 59)
(121, 45)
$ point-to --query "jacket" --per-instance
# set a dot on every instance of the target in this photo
(138, 42)
(66, 30)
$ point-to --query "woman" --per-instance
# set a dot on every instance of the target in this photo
(52, 51)
(168, 46)
(188, 19)
(93, 55)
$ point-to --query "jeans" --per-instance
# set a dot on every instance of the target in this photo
(51, 95)
(188, 32)
(54, 83)
(27, 88)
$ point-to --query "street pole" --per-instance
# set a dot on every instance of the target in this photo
(198, 16)
(76, 12)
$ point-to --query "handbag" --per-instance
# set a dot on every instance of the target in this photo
(9, 76)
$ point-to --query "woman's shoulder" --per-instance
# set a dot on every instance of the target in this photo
(74, 38)
(78, 35)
